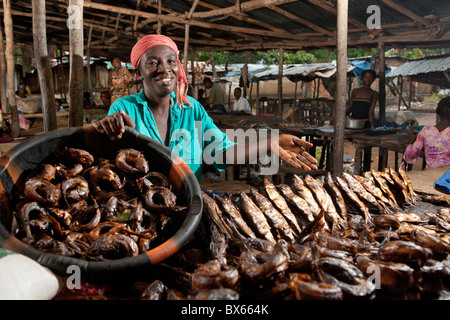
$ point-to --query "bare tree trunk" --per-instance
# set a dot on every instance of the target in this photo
(76, 85)
(341, 84)
(3, 93)
(10, 67)
(43, 65)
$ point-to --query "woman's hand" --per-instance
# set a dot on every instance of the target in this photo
(290, 149)
(113, 125)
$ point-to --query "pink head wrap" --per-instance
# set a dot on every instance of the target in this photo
(150, 41)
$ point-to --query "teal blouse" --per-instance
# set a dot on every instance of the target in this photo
(193, 134)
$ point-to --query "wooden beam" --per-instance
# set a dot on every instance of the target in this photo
(302, 21)
(406, 12)
(245, 6)
(382, 83)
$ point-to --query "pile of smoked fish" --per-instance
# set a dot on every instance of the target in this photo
(349, 237)
(95, 209)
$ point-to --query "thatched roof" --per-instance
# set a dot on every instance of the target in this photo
(233, 25)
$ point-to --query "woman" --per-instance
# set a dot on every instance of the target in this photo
(363, 100)
(119, 80)
(435, 140)
(164, 112)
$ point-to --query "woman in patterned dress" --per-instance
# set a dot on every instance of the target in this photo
(435, 140)
(119, 80)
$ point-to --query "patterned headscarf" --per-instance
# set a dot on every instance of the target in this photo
(150, 41)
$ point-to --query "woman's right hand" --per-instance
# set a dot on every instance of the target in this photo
(113, 125)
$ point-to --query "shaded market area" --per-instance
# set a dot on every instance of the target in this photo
(83, 217)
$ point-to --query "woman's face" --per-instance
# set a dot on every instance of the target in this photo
(116, 63)
(367, 79)
(159, 71)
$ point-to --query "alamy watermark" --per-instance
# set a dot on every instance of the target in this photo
(208, 147)
(374, 20)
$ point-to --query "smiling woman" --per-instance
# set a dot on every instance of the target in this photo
(162, 110)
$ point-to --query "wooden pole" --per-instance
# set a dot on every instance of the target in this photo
(280, 83)
(186, 48)
(76, 84)
(382, 84)
(88, 63)
(43, 65)
(341, 84)
(10, 68)
(3, 93)
(194, 91)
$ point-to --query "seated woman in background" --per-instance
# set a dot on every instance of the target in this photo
(434, 140)
(363, 100)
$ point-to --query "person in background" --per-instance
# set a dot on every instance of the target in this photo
(106, 99)
(241, 104)
(119, 80)
(201, 98)
(22, 81)
(164, 112)
(433, 139)
(363, 100)
(58, 104)
(21, 91)
(216, 98)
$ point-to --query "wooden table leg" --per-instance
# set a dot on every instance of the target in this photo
(367, 158)
(358, 158)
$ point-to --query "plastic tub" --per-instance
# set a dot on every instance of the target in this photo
(32, 152)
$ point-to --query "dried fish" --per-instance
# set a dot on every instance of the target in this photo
(412, 194)
(370, 186)
(298, 205)
(399, 182)
(303, 191)
(336, 195)
(313, 290)
(273, 216)
(253, 214)
(281, 204)
(347, 192)
(324, 199)
(405, 252)
(384, 187)
(229, 208)
(363, 193)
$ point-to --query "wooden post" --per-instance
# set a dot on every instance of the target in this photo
(88, 62)
(10, 68)
(280, 83)
(258, 112)
(186, 48)
(43, 65)
(382, 85)
(245, 75)
(295, 102)
(4, 96)
(76, 84)
(341, 84)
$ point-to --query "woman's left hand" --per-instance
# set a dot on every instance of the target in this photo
(290, 149)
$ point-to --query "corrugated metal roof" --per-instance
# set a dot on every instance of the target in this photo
(422, 66)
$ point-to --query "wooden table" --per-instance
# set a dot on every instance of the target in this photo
(364, 143)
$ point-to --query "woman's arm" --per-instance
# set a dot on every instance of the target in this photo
(288, 147)
(372, 110)
(413, 150)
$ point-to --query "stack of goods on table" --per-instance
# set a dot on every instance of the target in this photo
(355, 237)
